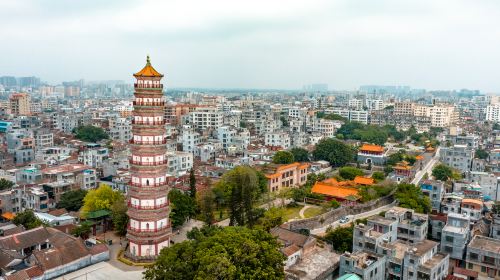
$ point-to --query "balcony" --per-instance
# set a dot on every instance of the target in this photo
(143, 207)
(139, 103)
(154, 163)
(151, 230)
(148, 186)
(140, 142)
(136, 85)
(163, 122)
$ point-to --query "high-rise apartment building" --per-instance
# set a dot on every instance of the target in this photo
(20, 104)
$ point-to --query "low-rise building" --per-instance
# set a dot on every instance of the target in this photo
(435, 190)
(483, 257)
(455, 236)
(366, 265)
(372, 154)
(286, 175)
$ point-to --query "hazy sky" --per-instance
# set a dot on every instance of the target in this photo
(434, 44)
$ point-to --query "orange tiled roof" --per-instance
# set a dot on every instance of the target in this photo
(8, 215)
(419, 157)
(360, 180)
(148, 71)
(472, 201)
(334, 191)
(372, 148)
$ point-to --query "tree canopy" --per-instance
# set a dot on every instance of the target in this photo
(101, 198)
(442, 172)
(183, 207)
(240, 188)
(411, 196)
(90, 133)
(349, 173)
(220, 253)
(6, 184)
(300, 154)
(482, 154)
(72, 200)
(119, 216)
(340, 238)
(283, 157)
(333, 151)
(27, 219)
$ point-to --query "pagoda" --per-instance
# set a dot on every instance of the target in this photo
(149, 228)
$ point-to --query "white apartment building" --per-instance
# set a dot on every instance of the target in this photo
(277, 139)
(358, 116)
(120, 129)
(440, 115)
(189, 138)
(225, 135)
(93, 157)
(375, 104)
(493, 113)
(297, 112)
(326, 127)
(179, 163)
(206, 117)
(356, 104)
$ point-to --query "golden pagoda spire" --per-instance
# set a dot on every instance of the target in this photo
(148, 70)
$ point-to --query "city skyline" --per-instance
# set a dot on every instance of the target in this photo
(425, 44)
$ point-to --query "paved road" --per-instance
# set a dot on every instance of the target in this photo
(427, 169)
(322, 230)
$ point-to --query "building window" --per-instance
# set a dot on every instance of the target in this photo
(470, 266)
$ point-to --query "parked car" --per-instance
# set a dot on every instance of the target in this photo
(344, 220)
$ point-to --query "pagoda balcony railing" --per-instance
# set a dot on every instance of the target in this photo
(140, 185)
(149, 230)
(148, 207)
(157, 103)
(154, 142)
(149, 122)
(154, 163)
(136, 85)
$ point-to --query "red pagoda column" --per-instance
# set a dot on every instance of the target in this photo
(148, 207)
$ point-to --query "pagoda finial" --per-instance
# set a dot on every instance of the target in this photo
(148, 62)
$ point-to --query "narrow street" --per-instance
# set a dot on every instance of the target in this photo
(427, 169)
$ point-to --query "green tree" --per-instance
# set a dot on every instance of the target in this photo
(206, 206)
(100, 198)
(6, 184)
(220, 253)
(340, 238)
(335, 117)
(442, 172)
(241, 187)
(83, 230)
(378, 176)
(284, 121)
(183, 207)
(273, 217)
(411, 196)
(283, 157)
(119, 216)
(72, 200)
(482, 154)
(90, 133)
(333, 151)
(334, 204)
(27, 219)
(300, 154)
(349, 173)
(192, 184)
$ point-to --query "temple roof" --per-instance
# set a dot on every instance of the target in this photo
(148, 70)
